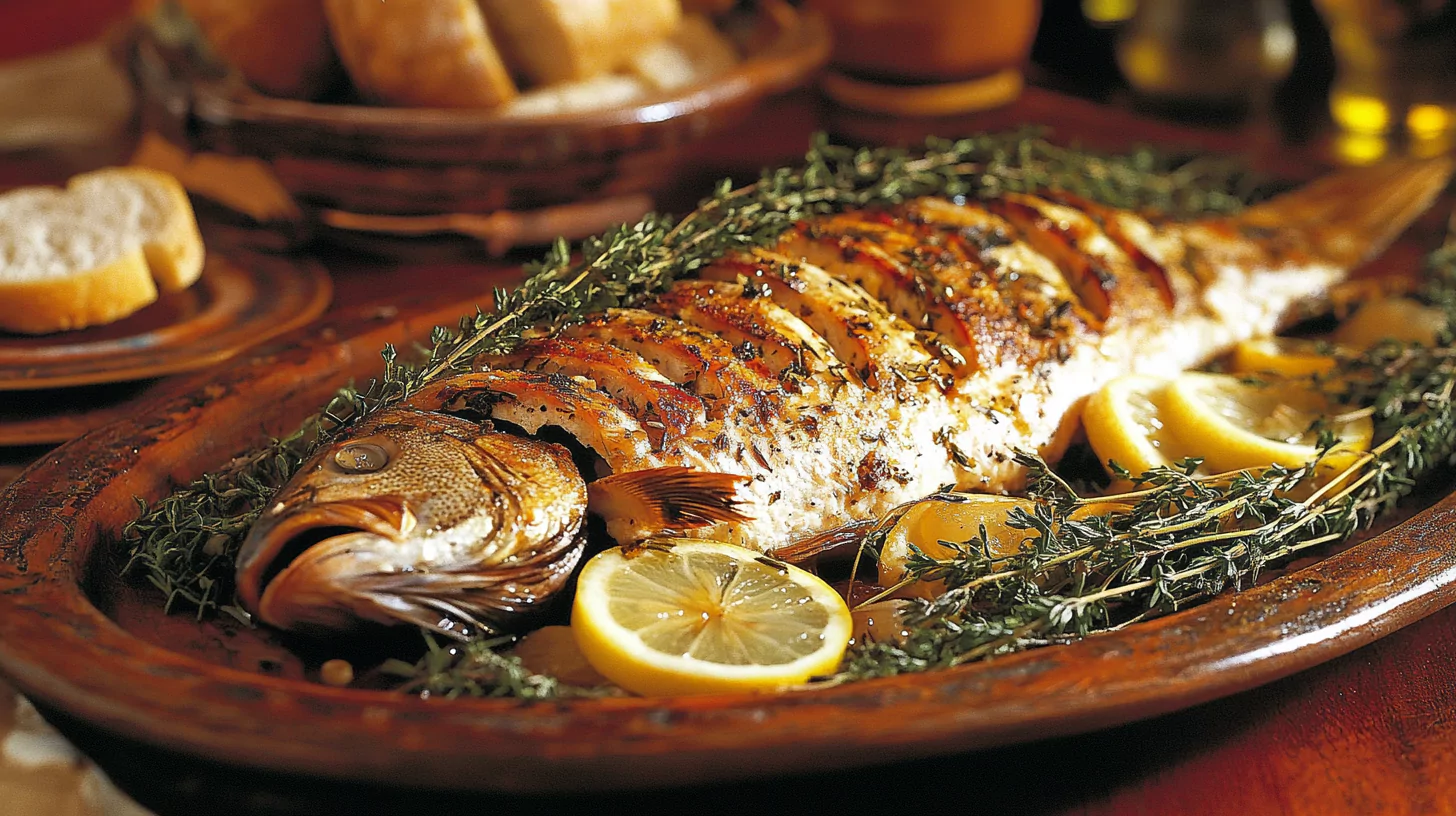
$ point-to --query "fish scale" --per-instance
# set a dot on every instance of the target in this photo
(870, 358)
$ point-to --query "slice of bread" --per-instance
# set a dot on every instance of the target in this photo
(696, 52)
(94, 252)
(608, 91)
(419, 53)
(551, 41)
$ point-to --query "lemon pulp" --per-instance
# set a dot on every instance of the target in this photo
(1126, 423)
(702, 617)
(1235, 425)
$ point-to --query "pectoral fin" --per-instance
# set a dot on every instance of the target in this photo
(644, 503)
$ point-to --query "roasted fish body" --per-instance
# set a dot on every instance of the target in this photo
(865, 360)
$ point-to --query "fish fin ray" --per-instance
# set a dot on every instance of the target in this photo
(835, 539)
(667, 498)
(1353, 215)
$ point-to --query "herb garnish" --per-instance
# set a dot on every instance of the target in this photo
(186, 543)
(1182, 537)
(475, 669)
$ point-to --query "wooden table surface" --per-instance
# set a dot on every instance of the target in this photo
(1372, 732)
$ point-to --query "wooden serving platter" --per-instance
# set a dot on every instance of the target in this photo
(76, 639)
(242, 299)
(52, 416)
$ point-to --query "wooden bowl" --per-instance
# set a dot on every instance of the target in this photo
(929, 41)
(428, 162)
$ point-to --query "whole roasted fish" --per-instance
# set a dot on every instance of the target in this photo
(867, 359)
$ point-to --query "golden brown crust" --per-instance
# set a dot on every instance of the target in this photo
(551, 41)
(101, 295)
(168, 260)
(876, 344)
(1015, 317)
(279, 46)
(420, 53)
(692, 357)
(748, 320)
(665, 411)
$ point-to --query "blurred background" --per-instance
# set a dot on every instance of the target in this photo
(1367, 78)
(1373, 76)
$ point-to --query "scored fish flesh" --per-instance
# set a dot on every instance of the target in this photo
(867, 359)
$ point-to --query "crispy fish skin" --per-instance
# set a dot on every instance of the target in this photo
(419, 517)
(946, 336)
(871, 357)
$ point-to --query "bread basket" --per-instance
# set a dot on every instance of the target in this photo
(427, 170)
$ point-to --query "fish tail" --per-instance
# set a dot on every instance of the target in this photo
(1351, 216)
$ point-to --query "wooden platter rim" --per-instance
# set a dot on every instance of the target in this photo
(176, 350)
(60, 649)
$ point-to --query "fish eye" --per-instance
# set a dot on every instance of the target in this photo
(361, 458)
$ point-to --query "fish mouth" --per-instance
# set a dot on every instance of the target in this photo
(275, 543)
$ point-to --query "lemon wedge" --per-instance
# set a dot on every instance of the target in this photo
(1395, 318)
(929, 523)
(1283, 356)
(1234, 425)
(1125, 423)
(703, 617)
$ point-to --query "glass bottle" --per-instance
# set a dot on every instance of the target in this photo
(1216, 55)
(1396, 75)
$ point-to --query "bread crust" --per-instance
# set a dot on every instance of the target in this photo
(169, 259)
(104, 294)
(553, 41)
(420, 53)
(281, 47)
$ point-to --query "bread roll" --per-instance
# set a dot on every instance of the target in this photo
(94, 252)
(280, 46)
(419, 53)
(606, 91)
(708, 6)
(694, 53)
(550, 41)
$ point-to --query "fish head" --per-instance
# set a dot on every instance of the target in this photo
(415, 517)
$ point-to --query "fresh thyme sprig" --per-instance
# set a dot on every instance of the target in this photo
(631, 262)
(185, 544)
(476, 669)
(1178, 537)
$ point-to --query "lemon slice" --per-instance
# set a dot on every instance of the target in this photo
(1125, 423)
(1394, 318)
(1284, 356)
(1235, 425)
(929, 523)
(705, 617)
(934, 526)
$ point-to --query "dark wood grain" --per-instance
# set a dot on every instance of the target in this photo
(242, 299)
(1367, 732)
